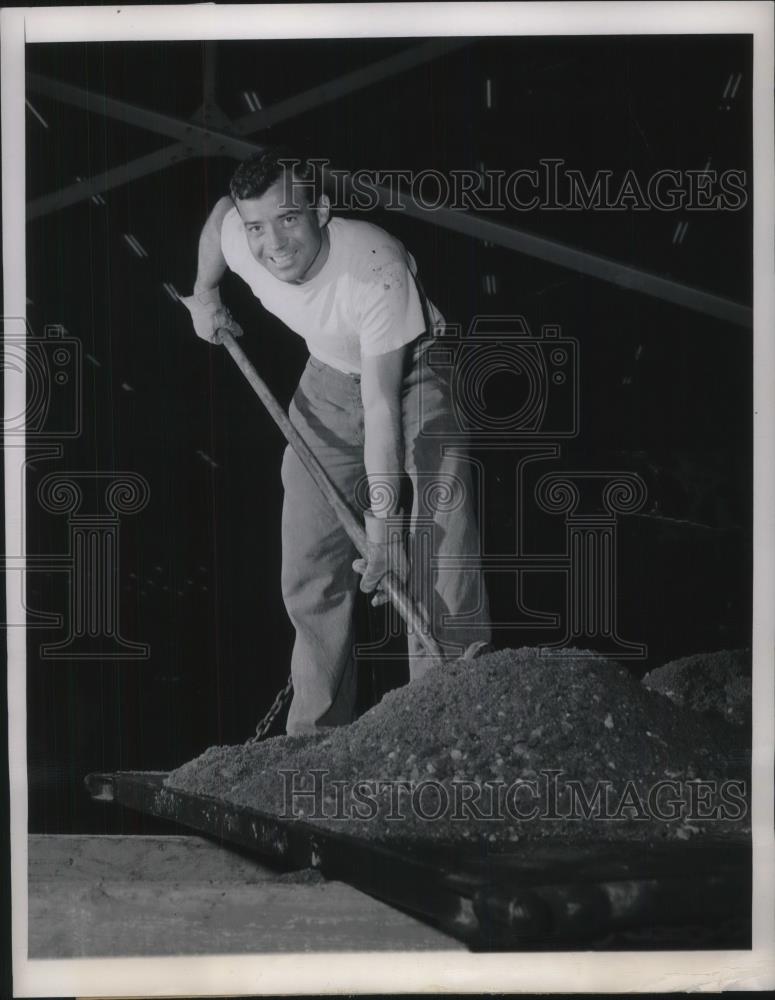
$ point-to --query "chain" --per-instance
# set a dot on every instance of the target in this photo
(285, 693)
(282, 699)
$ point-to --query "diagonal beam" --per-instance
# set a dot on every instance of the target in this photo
(215, 140)
(563, 255)
(307, 100)
(143, 166)
(575, 259)
(117, 177)
(498, 233)
(185, 131)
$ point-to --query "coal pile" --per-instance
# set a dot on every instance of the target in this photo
(511, 746)
(718, 683)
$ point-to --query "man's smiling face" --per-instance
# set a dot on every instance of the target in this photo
(286, 234)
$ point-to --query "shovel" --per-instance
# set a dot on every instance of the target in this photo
(397, 592)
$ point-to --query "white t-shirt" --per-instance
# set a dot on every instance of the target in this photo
(362, 302)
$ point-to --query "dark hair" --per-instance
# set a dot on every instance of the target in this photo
(254, 176)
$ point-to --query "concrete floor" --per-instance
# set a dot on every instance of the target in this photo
(93, 896)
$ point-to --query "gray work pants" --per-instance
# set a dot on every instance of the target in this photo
(318, 582)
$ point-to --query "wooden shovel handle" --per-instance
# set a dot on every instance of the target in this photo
(398, 593)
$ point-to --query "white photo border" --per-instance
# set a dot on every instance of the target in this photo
(402, 972)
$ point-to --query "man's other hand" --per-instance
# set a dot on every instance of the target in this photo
(385, 554)
(209, 316)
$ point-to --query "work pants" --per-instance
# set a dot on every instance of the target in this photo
(318, 583)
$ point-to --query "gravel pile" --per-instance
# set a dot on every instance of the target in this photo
(718, 683)
(510, 746)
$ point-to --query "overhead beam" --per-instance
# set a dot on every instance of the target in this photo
(217, 141)
(230, 143)
(117, 177)
(573, 258)
(477, 227)
(582, 261)
(214, 141)
(313, 98)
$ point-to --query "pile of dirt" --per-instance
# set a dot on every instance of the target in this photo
(509, 746)
(718, 683)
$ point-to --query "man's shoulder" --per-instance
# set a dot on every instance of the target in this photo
(365, 250)
(363, 244)
(231, 222)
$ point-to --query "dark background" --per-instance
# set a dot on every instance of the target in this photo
(665, 392)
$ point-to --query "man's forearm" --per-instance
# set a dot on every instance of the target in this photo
(211, 264)
(383, 450)
(383, 454)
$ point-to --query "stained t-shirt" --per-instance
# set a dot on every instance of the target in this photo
(362, 303)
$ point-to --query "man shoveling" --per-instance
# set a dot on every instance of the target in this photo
(370, 407)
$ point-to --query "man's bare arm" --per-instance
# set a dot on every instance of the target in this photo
(383, 453)
(381, 382)
(211, 265)
(208, 314)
